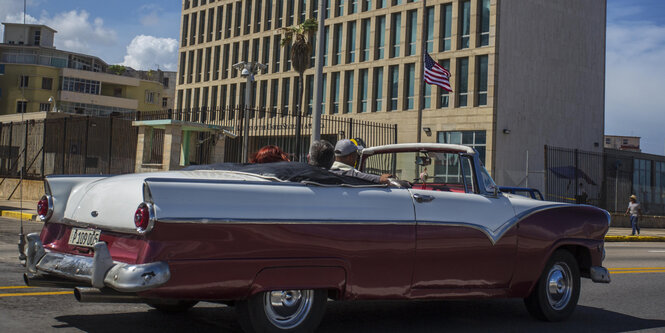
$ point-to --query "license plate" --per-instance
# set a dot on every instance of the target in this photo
(84, 237)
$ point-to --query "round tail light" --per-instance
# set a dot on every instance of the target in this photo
(142, 217)
(44, 208)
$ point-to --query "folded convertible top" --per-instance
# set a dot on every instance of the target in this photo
(287, 171)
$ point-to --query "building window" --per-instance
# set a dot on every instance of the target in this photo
(366, 5)
(484, 23)
(364, 34)
(463, 81)
(24, 81)
(248, 17)
(363, 90)
(211, 24)
(445, 98)
(309, 93)
(225, 62)
(642, 179)
(659, 182)
(428, 96)
(303, 11)
(625, 141)
(285, 96)
(185, 25)
(380, 37)
(290, 11)
(266, 50)
(21, 106)
(47, 83)
(275, 95)
(276, 51)
(429, 39)
(206, 76)
(396, 27)
(335, 92)
(325, 46)
(80, 85)
(465, 27)
(229, 15)
(394, 87)
(255, 49)
(412, 30)
(351, 37)
(608, 141)
(482, 80)
(215, 64)
(238, 18)
(446, 27)
(323, 95)
(165, 101)
(354, 6)
(327, 8)
(199, 64)
(378, 89)
(192, 30)
(349, 87)
(473, 139)
(339, 8)
(181, 69)
(44, 106)
(410, 82)
(287, 56)
(268, 15)
(219, 28)
(202, 27)
(149, 97)
(338, 46)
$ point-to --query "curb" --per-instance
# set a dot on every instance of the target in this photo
(634, 239)
(18, 215)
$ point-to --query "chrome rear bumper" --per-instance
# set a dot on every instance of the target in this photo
(99, 271)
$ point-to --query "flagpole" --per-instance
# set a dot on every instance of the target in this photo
(423, 51)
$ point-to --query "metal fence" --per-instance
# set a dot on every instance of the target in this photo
(605, 179)
(67, 145)
(107, 145)
(279, 127)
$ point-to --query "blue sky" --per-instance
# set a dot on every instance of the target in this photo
(144, 34)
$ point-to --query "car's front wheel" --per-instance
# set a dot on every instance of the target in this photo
(282, 311)
(555, 296)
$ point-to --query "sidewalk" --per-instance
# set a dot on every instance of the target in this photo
(28, 211)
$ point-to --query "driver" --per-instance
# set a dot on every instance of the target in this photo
(346, 156)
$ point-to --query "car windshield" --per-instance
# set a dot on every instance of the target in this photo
(425, 169)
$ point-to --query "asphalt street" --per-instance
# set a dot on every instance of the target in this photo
(634, 301)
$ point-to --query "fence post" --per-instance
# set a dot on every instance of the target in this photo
(546, 173)
(350, 135)
(85, 152)
(43, 148)
(11, 134)
(395, 134)
(25, 150)
(64, 143)
(111, 143)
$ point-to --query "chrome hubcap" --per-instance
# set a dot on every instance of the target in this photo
(287, 308)
(559, 286)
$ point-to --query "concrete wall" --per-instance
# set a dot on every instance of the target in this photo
(32, 190)
(550, 83)
(650, 221)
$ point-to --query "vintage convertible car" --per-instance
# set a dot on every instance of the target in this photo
(279, 240)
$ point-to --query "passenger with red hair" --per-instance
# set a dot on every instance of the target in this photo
(269, 154)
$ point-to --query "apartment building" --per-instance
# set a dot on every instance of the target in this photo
(630, 143)
(38, 77)
(524, 74)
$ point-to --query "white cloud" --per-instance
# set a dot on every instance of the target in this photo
(78, 33)
(148, 52)
(634, 80)
(150, 15)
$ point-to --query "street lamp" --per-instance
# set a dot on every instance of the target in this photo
(51, 101)
(248, 70)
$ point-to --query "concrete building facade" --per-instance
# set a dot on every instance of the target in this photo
(524, 74)
(38, 77)
(630, 143)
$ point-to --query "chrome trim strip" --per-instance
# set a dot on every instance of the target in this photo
(281, 221)
(75, 223)
(494, 235)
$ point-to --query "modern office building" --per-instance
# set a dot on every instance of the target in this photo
(525, 74)
(38, 77)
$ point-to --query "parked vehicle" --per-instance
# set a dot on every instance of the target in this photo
(278, 240)
(523, 191)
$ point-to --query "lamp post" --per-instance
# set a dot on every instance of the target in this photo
(51, 100)
(248, 70)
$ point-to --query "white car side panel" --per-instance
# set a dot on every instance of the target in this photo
(183, 201)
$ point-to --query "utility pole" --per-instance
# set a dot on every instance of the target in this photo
(318, 78)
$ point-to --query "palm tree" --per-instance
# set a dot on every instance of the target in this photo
(299, 37)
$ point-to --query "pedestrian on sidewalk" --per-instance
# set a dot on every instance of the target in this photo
(635, 210)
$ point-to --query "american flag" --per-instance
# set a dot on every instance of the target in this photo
(435, 74)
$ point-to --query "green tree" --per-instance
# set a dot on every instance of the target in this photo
(299, 37)
(117, 69)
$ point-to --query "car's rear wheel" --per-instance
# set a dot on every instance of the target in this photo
(555, 296)
(175, 307)
(282, 311)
